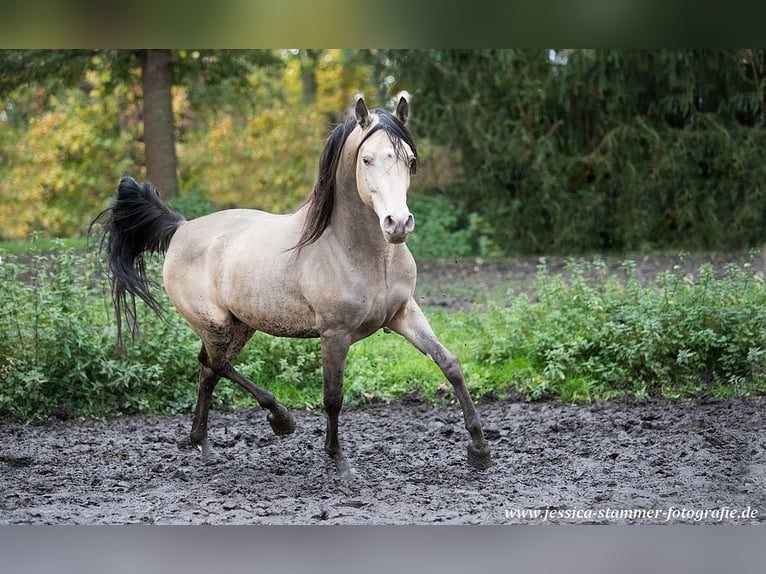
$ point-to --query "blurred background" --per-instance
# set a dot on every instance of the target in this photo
(523, 151)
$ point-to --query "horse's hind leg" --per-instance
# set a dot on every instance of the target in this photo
(222, 350)
(208, 379)
(214, 357)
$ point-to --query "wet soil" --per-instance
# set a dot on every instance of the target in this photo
(601, 463)
(621, 461)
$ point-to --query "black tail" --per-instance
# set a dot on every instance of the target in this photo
(137, 222)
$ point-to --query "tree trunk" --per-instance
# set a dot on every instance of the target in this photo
(159, 131)
(309, 63)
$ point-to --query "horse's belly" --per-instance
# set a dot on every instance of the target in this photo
(278, 312)
(281, 329)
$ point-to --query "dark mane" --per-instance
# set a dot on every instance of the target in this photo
(321, 200)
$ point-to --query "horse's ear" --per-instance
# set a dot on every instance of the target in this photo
(402, 110)
(362, 113)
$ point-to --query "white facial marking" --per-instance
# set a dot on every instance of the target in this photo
(383, 178)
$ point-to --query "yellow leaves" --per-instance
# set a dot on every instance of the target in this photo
(181, 106)
(266, 162)
(260, 151)
(58, 172)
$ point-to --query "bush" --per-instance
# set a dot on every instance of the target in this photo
(192, 205)
(581, 151)
(443, 230)
(57, 351)
(596, 336)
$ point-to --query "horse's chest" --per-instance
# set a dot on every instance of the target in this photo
(381, 306)
(358, 298)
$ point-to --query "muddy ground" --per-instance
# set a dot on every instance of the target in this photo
(675, 459)
(605, 463)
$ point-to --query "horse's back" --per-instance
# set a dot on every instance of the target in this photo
(227, 230)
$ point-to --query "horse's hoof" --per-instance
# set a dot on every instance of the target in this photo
(207, 453)
(479, 457)
(211, 458)
(282, 424)
(185, 443)
(202, 446)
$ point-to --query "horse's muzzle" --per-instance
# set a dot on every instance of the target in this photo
(396, 229)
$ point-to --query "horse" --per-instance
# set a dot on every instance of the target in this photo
(337, 269)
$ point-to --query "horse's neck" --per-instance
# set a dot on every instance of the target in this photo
(353, 222)
(355, 234)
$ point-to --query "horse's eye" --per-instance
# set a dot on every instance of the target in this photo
(367, 161)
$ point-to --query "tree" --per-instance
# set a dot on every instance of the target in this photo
(159, 136)
(309, 62)
(160, 69)
(581, 150)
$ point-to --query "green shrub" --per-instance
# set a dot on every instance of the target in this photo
(594, 335)
(444, 229)
(57, 350)
(192, 205)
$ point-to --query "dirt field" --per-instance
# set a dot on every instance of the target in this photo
(600, 463)
(604, 463)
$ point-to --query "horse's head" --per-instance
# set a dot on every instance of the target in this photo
(385, 161)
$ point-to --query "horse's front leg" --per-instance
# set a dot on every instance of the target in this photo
(334, 352)
(411, 323)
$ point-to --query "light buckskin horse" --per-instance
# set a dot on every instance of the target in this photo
(337, 269)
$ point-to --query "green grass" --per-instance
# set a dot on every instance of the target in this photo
(580, 336)
(40, 244)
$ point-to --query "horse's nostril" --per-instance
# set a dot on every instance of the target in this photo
(398, 225)
(389, 225)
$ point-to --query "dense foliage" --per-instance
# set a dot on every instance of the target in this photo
(245, 134)
(584, 337)
(586, 150)
(595, 334)
(547, 151)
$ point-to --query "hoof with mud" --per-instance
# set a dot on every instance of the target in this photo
(207, 452)
(479, 458)
(283, 423)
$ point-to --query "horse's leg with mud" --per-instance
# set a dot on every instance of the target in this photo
(208, 380)
(218, 349)
(412, 324)
(334, 353)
